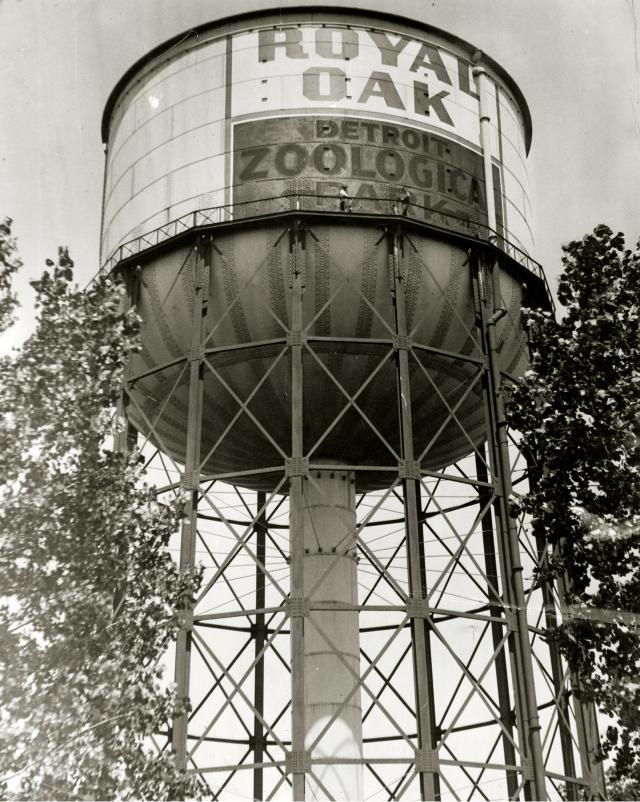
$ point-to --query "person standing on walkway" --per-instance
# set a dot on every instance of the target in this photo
(345, 199)
(405, 200)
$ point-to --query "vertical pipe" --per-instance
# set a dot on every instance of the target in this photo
(260, 529)
(482, 79)
(481, 302)
(423, 692)
(480, 74)
(296, 525)
(188, 533)
(330, 579)
(525, 676)
(504, 701)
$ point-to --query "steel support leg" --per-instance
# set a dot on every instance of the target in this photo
(497, 629)
(588, 740)
(125, 441)
(191, 483)
(423, 686)
(557, 677)
(127, 435)
(585, 714)
(522, 675)
(586, 725)
(534, 771)
(484, 291)
(260, 529)
(435, 732)
(296, 520)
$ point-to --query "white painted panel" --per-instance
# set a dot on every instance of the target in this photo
(514, 164)
(517, 213)
(141, 142)
(302, 76)
(191, 80)
(192, 147)
(120, 194)
(193, 180)
(179, 189)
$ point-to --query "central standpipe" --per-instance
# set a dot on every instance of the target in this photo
(333, 714)
(326, 717)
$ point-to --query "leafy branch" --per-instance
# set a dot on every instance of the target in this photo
(578, 410)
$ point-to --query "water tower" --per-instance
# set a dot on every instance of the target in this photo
(323, 220)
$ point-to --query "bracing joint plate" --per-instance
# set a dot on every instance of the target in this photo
(296, 338)
(426, 760)
(512, 622)
(297, 762)
(196, 354)
(185, 620)
(417, 608)
(401, 342)
(189, 480)
(409, 469)
(527, 769)
(202, 277)
(296, 466)
(298, 607)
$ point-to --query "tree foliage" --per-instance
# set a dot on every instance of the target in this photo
(621, 787)
(81, 690)
(9, 264)
(578, 410)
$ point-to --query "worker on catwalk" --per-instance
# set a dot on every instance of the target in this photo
(345, 199)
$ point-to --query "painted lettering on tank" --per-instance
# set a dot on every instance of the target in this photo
(379, 84)
(375, 159)
(424, 103)
(289, 39)
(429, 58)
(340, 43)
(423, 61)
(251, 161)
(389, 52)
(324, 83)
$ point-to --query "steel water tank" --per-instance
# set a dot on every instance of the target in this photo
(240, 125)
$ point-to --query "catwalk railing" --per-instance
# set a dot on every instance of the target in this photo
(435, 218)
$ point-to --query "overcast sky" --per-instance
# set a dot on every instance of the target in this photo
(576, 62)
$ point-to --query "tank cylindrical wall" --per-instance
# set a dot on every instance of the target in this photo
(257, 108)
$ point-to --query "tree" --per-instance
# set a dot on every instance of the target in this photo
(578, 410)
(621, 787)
(81, 692)
(9, 264)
